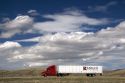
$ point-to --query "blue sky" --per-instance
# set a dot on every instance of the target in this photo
(37, 32)
(12, 8)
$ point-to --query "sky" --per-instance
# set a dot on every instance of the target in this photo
(62, 32)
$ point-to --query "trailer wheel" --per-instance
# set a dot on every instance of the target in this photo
(91, 75)
(87, 75)
(101, 74)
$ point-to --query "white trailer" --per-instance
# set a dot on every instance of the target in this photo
(88, 70)
(79, 69)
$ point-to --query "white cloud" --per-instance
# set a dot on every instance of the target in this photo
(33, 64)
(116, 32)
(20, 24)
(34, 39)
(19, 21)
(67, 22)
(104, 47)
(9, 33)
(33, 12)
(24, 56)
(9, 44)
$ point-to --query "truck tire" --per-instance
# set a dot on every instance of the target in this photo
(58, 75)
(45, 75)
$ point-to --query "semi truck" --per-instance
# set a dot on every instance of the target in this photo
(63, 70)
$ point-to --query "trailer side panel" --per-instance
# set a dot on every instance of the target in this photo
(79, 69)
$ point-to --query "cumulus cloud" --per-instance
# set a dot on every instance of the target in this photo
(9, 44)
(103, 48)
(19, 21)
(20, 24)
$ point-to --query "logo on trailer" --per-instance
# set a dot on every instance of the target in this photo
(90, 68)
(84, 68)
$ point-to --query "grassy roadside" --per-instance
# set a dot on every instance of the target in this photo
(67, 79)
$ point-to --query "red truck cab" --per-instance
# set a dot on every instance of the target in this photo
(50, 71)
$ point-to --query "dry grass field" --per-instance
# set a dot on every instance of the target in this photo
(67, 79)
(33, 76)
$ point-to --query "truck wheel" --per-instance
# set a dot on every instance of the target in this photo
(61, 74)
(58, 75)
(45, 75)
